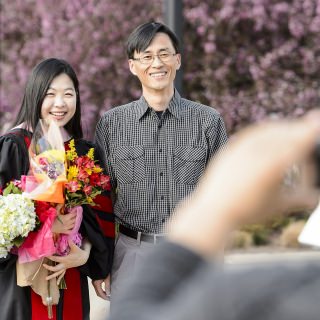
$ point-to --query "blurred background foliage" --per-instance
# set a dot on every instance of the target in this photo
(247, 58)
(250, 59)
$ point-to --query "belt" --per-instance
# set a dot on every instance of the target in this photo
(140, 236)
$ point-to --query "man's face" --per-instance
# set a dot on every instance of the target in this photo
(156, 74)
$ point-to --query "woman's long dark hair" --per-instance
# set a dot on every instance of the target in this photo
(36, 89)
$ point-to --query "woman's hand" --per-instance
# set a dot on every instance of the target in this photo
(64, 223)
(76, 257)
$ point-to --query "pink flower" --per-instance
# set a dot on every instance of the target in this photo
(43, 161)
(105, 182)
(84, 162)
(87, 190)
(72, 186)
(83, 175)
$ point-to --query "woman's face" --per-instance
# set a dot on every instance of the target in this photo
(60, 101)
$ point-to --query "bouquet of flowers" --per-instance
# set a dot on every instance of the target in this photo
(85, 182)
(58, 176)
(45, 186)
(85, 178)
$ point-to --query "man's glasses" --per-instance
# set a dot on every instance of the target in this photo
(148, 58)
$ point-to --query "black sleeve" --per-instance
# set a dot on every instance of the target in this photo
(14, 160)
(99, 263)
(98, 227)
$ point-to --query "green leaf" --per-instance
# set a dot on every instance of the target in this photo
(11, 188)
(16, 190)
(18, 241)
(7, 190)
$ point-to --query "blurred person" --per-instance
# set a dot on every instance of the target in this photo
(155, 149)
(52, 94)
(179, 278)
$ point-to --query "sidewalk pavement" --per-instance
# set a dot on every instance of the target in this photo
(99, 308)
(270, 254)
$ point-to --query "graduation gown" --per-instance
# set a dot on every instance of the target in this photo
(21, 303)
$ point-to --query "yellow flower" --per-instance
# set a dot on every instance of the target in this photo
(72, 172)
(90, 201)
(88, 171)
(72, 153)
(90, 154)
(97, 169)
(53, 155)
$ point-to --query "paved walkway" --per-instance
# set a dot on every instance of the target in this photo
(267, 254)
(99, 308)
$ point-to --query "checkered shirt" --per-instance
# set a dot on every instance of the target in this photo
(154, 162)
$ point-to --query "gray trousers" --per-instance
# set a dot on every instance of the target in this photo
(128, 255)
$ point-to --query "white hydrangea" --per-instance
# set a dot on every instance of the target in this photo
(17, 219)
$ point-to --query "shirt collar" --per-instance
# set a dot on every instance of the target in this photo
(174, 106)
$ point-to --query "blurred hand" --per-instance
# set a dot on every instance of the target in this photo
(244, 182)
(102, 288)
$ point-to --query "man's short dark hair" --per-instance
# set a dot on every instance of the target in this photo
(141, 37)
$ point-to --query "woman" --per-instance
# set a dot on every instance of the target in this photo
(52, 93)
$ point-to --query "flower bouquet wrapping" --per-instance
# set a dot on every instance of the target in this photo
(45, 185)
(47, 164)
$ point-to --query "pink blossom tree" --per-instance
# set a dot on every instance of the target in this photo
(246, 58)
(253, 58)
(90, 35)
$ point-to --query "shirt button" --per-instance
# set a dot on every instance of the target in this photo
(161, 174)
(162, 197)
(159, 126)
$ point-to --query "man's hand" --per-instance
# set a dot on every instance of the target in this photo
(102, 288)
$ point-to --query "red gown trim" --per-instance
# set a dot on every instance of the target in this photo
(72, 296)
(38, 310)
(72, 300)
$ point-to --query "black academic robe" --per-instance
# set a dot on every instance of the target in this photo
(21, 303)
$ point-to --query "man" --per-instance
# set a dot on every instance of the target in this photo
(178, 282)
(154, 149)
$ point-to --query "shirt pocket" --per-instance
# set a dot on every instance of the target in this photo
(129, 164)
(189, 163)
